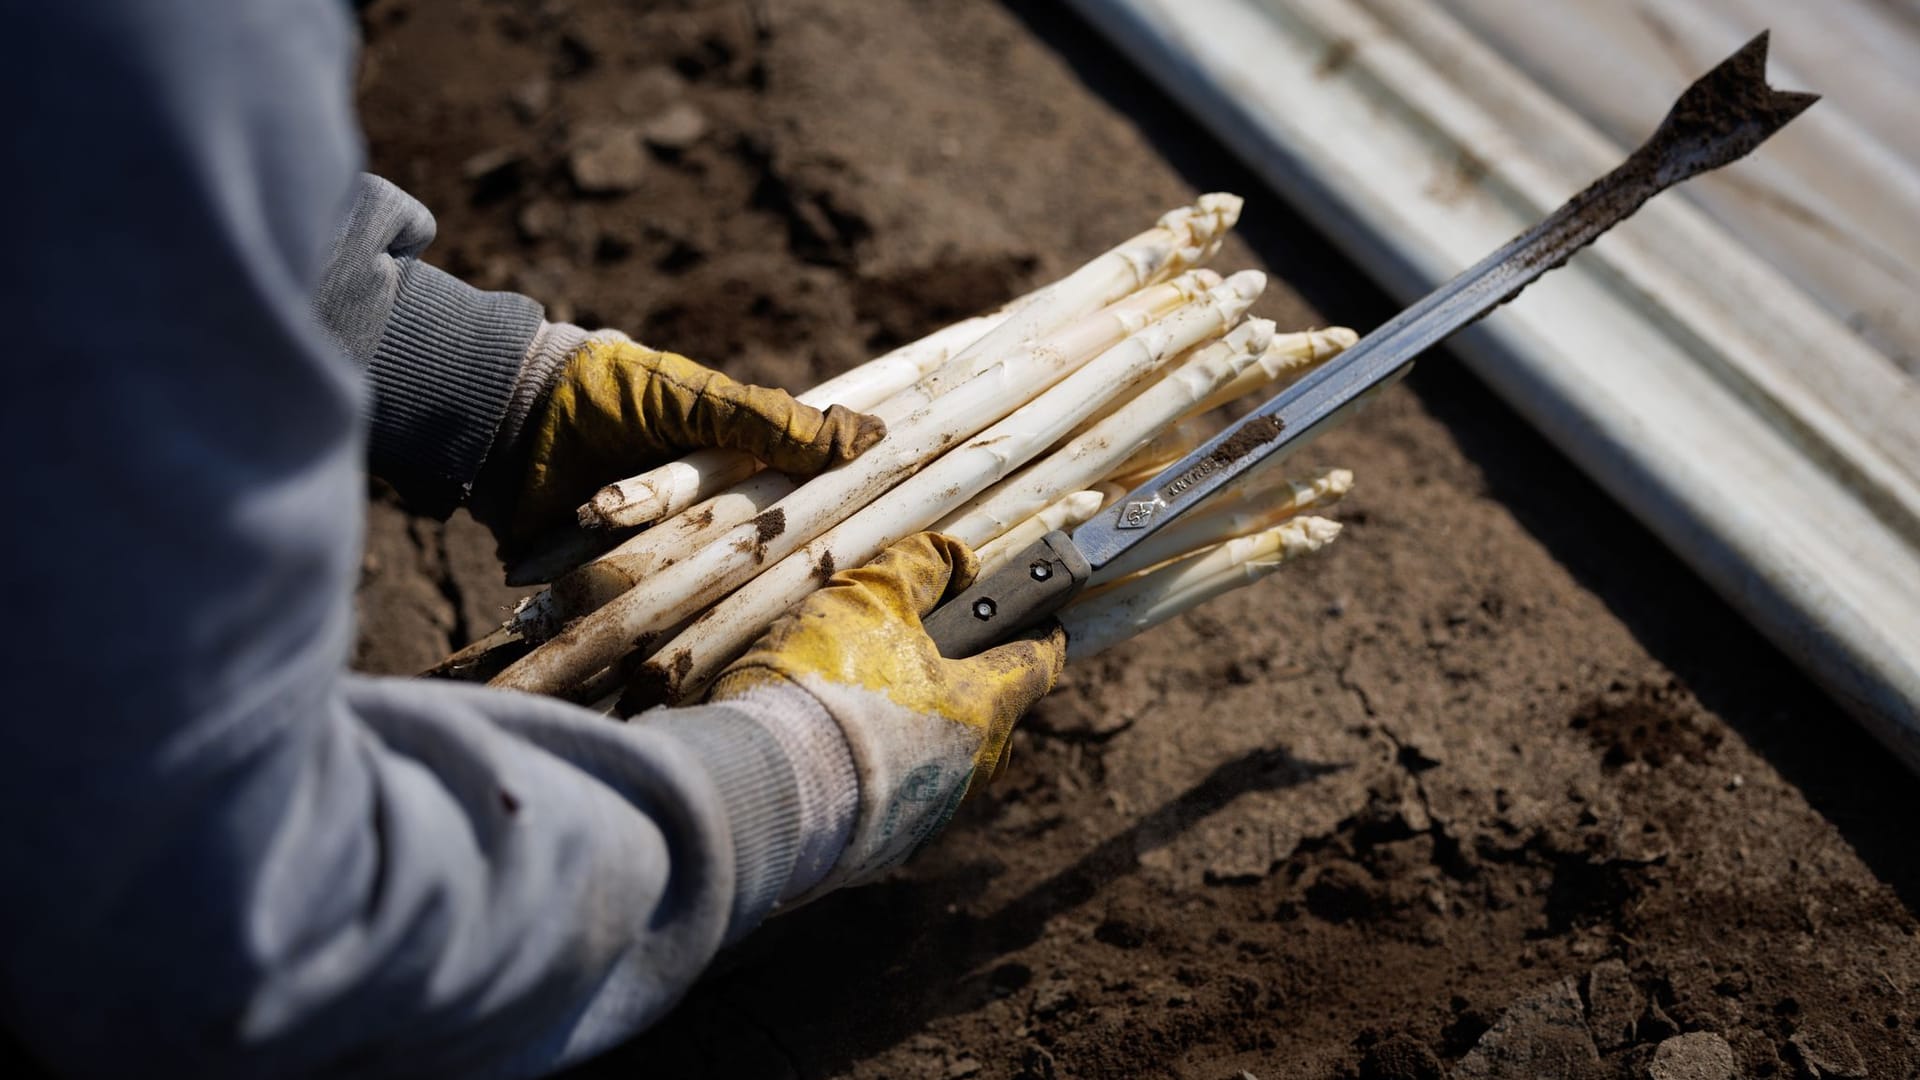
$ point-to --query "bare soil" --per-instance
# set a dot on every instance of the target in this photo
(1495, 788)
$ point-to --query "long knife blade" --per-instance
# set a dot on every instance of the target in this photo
(1719, 119)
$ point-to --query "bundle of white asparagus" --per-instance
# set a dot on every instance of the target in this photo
(1001, 428)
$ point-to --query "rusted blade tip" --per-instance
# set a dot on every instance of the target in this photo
(1724, 114)
(1751, 63)
(1788, 104)
(1739, 84)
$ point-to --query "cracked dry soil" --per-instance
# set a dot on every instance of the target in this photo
(1492, 789)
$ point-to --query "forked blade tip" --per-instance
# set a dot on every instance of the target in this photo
(1724, 114)
(1748, 65)
(1752, 60)
(1788, 104)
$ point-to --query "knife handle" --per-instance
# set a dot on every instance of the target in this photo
(1034, 584)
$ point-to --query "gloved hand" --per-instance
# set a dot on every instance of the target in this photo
(924, 731)
(617, 407)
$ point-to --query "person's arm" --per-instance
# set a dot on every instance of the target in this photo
(225, 855)
(477, 398)
(451, 369)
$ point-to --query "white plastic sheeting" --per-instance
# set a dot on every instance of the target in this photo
(1735, 364)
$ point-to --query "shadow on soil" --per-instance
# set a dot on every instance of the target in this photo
(1736, 673)
(900, 942)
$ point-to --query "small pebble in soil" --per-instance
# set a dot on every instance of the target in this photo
(606, 159)
(679, 127)
(1697, 1055)
(531, 98)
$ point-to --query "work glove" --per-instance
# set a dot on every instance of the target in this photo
(617, 408)
(924, 731)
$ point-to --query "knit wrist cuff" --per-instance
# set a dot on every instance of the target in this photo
(443, 374)
(787, 778)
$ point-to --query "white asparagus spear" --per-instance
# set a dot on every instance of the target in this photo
(684, 665)
(1136, 309)
(1069, 510)
(1086, 459)
(668, 489)
(1214, 524)
(683, 589)
(1170, 445)
(1182, 239)
(1289, 357)
(597, 583)
(1131, 480)
(1097, 623)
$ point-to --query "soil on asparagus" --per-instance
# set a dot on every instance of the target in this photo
(1495, 788)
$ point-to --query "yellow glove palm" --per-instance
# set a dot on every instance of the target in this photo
(925, 731)
(617, 406)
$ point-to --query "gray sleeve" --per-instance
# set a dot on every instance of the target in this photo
(225, 855)
(443, 359)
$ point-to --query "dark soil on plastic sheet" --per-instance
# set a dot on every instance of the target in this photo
(1493, 788)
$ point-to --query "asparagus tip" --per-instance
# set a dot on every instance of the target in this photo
(1333, 339)
(1238, 293)
(1222, 206)
(1307, 534)
(1252, 336)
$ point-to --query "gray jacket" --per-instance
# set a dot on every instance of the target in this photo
(225, 855)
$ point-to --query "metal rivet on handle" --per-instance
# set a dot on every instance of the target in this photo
(983, 608)
(1041, 571)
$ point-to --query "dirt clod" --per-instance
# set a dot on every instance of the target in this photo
(1614, 1005)
(1825, 1050)
(1540, 1037)
(1699, 1055)
(606, 159)
(1251, 436)
(676, 129)
(1400, 1057)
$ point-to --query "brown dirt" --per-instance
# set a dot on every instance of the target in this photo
(1493, 788)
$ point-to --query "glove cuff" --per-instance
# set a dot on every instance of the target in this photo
(506, 463)
(911, 771)
(828, 786)
(756, 784)
(787, 778)
(553, 345)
